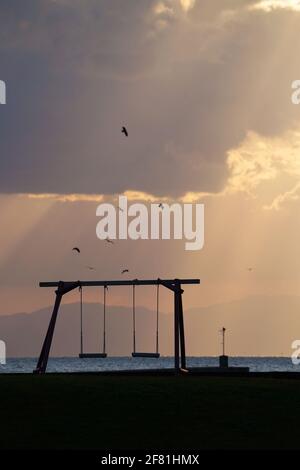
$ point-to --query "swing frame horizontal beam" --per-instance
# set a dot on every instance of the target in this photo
(123, 282)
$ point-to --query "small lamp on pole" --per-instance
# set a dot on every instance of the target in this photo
(223, 359)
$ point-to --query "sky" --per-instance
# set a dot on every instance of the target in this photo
(204, 88)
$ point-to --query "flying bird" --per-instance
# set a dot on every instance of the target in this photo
(125, 271)
(249, 269)
(120, 208)
(76, 249)
(109, 241)
(161, 205)
(90, 268)
(124, 131)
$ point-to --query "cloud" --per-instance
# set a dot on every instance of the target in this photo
(188, 93)
(251, 163)
(266, 167)
(187, 4)
(162, 8)
(261, 167)
(66, 197)
(284, 198)
(269, 5)
(131, 196)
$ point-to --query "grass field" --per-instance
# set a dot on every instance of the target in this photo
(93, 412)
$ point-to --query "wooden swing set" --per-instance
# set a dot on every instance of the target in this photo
(64, 287)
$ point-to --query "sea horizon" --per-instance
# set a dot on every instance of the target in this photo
(117, 363)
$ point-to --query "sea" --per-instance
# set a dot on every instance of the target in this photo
(73, 364)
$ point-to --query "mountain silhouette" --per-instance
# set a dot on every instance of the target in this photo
(255, 326)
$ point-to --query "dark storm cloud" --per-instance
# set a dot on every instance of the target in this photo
(188, 87)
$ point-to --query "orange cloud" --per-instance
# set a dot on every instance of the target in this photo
(269, 5)
(266, 166)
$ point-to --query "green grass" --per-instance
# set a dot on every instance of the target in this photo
(94, 412)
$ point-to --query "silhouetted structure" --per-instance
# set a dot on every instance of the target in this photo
(174, 285)
(223, 359)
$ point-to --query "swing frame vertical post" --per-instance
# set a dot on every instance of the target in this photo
(133, 318)
(43, 359)
(177, 295)
(179, 340)
(44, 355)
(181, 330)
(104, 320)
(157, 319)
(81, 322)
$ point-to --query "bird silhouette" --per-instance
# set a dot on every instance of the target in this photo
(109, 241)
(249, 269)
(124, 131)
(90, 268)
(76, 249)
(125, 271)
(161, 205)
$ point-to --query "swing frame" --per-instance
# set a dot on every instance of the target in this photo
(64, 287)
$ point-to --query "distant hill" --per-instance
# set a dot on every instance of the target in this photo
(255, 326)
